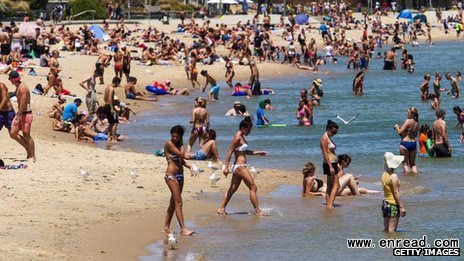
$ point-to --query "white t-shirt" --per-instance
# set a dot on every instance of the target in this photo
(328, 50)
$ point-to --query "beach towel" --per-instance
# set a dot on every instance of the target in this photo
(16, 166)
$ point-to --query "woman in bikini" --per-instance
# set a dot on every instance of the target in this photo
(200, 121)
(408, 145)
(239, 169)
(230, 73)
(174, 151)
(330, 164)
(313, 186)
(193, 70)
(55, 69)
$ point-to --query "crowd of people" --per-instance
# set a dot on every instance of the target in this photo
(247, 44)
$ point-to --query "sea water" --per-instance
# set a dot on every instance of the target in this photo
(302, 228)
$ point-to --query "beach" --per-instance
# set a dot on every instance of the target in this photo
(51, 212)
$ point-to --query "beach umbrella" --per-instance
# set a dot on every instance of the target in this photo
(406, 14)
(99, 33)
(27, 29)
(301, 19)
(421, 17)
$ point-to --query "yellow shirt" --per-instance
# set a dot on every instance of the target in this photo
(388, 188)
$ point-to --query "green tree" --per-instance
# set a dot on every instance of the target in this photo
(83, 5)
(37, 4)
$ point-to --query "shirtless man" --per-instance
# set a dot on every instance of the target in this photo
(102, 61)
(7, 112)
(440, 135)
(214, 91)
(110, 110)
(126, 62)
(4, 46)
(455, 90)
(23, 119)
(91, 98)
(254, 73)
(390, 60)
(133, 94)
(118, 55)
(200, 121)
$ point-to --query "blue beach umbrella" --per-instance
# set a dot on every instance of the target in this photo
(406, 14)
(99, 33)
(302, 19)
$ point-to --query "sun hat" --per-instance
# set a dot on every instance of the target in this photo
(392, 161)
(318, 82)
(237, 103)
(167, 81)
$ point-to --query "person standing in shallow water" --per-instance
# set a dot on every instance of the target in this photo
(440, 136)
(239, 147)
(174, 151)
(392, 206)
(408, 145)
(330, 165)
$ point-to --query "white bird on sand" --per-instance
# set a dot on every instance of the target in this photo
(84, 174)
(255, 171)
(133, 175)
(214, 179)
(172, 241)
(196, 169)
(347, 121)
(212, 166)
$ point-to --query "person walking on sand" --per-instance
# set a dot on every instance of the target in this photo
(330, 165)
(440, 135)
(118, 57)
(239, 147)
(200, 121)
(230, 73)
(53, 78)
(392, 206)
(213, 93)
(408, 145)
(23, 119)
(91, 98)
(174, 151)
(111, 113)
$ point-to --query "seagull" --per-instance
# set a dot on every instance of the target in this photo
(196, 170)
(349, 121)
(212, 166)
(214, 179)
(172, 241)
(255, 171)
(84, 174)
(133, 175)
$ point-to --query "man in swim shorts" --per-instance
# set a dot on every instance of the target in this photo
(440, 135)
(214, 91)
(7, 112)
(23, 119)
